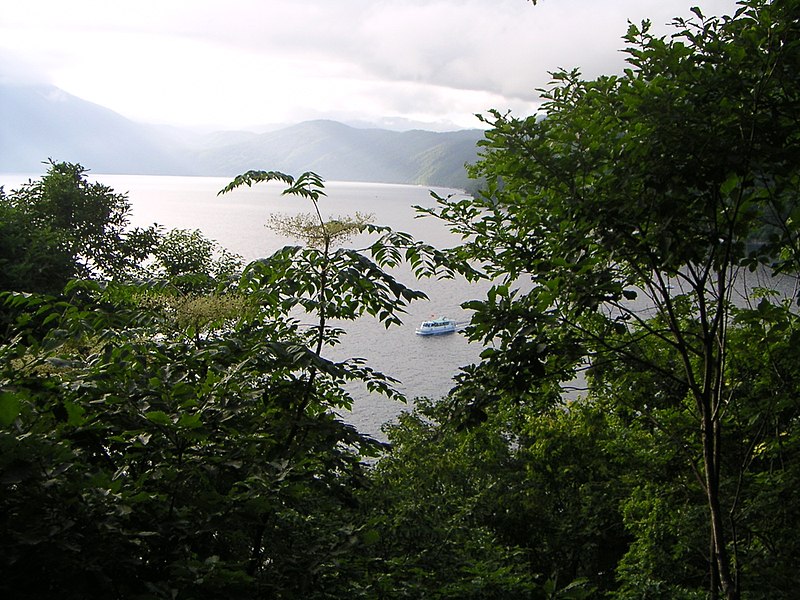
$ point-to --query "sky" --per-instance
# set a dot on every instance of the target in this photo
(242, 64)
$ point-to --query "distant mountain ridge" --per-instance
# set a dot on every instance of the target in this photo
(41, 122)
(345, 153)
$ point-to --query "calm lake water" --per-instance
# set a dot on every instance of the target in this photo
(424, 365)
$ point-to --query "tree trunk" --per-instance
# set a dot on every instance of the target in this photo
(711, 455)
(713, 586)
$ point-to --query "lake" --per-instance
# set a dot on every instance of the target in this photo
(425, 365)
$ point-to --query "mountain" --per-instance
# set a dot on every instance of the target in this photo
(41, 122)
(340, 152)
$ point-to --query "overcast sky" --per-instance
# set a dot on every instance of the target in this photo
(242, 63)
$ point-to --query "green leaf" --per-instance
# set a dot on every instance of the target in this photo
(729, 185)
(159, 417)
(190, 421)
(75, 414)
(9, 408)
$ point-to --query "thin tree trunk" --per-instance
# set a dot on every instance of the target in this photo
(711, 454)
(713, 587)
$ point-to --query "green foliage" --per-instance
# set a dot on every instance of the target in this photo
(537, 494)
(617, 228)
(62, 227)
(192, 262)
(428, 503)
(327, 281)
(157, 465)
(177, 437)
(29, 258)
(169, 429)
(191, 283)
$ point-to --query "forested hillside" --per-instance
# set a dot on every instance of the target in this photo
(346, 153)
(169, 428)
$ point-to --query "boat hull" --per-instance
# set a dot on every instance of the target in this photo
(437, 327)
(435, 332)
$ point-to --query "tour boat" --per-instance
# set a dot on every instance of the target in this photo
(437, 326)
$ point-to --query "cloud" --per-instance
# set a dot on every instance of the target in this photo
(503, 47)
(251, 61)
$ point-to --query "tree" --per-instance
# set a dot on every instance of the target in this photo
(523, 505)
(665, 511)
(328, 281)
(30, 258)
(190, 261)
(63, 227)
(630, 214)
(66, 227)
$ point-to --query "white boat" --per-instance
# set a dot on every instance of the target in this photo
(437, 326)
